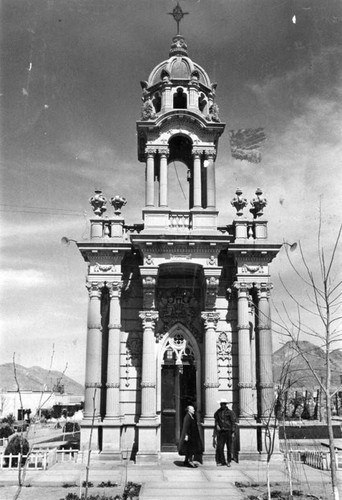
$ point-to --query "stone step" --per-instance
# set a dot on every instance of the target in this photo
(189, 491)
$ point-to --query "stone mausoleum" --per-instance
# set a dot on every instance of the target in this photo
(179, 308)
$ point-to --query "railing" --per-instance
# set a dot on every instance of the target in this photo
(76, 456)
(319, 459)
(39, 460)
(179, 220)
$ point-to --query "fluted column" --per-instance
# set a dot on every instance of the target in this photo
(211, 383)
(245, 375)
(266, 385)
(163, 178)
(253, 351)
(150, 177)
(94, 351)
(197, 180)
(113, 360)
(211, 184)
(149, 375)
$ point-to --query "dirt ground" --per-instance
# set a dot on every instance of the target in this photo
(52, 492)
(281, 492)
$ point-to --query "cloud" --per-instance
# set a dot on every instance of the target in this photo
(23, 278)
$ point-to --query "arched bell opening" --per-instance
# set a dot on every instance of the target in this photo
(157, 102)
(180, 99)
(179, 382)
(202, 104)
(180, 165)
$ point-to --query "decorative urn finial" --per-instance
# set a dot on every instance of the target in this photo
(258, 204)
(239, 202)
(98, 202)
(118, 202)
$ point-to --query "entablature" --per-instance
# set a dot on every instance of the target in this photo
(252, 261)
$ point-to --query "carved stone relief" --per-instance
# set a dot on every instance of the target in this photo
(179, 305)
(133, 358)
(224, 353)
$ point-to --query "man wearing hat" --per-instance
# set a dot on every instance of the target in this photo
(225, 422)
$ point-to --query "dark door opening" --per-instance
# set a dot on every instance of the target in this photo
(178, 390)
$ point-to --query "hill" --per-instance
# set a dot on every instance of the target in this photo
(35, 378)
(299, 373)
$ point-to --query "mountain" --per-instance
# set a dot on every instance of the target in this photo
(35, 378)
(299, 374)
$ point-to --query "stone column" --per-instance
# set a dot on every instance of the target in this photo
(113, 361)
(149, 373)
(163, 178)
(253, 351)
(148, 436)
(150, 177)
(244, 346)
(266, 385)
(197, 180)
(94, 352)
(111, 442)
(211, 383)
(211, 184)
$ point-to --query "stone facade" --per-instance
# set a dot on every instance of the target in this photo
(178, 307)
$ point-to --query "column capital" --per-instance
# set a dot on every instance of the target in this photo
(242, 287)
(164, 151)
(149, 318)
(94, 288)
(210, 153)
(196, 152)
(150, 150)
(263, 289)
(114, 288)
(210, 319)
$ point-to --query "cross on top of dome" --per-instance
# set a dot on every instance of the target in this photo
(178, 15)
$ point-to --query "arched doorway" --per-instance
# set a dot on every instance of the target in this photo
(179, 383)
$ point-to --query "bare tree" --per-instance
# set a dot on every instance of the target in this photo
(22, 470)
(273, 417)
(318, 318)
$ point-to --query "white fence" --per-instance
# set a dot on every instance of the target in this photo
(37, 459)
(319, 459)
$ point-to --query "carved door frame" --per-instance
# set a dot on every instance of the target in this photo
(179, 329)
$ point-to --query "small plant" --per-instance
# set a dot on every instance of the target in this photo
(87, 483)
(74, 496)
(6, 430)
(69, 485)
(71, 496)
(107, 484)
(131, 490)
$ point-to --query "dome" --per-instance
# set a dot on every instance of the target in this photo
(178, 67)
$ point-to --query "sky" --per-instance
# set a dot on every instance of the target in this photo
(70, 97)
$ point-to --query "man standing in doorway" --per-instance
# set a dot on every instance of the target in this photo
(225, 422)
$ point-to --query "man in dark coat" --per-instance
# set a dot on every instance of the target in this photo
(225, 422)
(190, 442)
